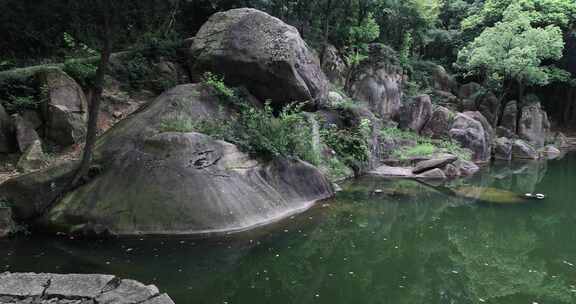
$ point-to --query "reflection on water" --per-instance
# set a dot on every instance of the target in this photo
(404, 244)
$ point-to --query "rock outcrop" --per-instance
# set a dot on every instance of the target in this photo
(471, 134)
(378, 84)
(333, 65)
(416, 113)
(157, 181)
(510, 116)
(76, 288)
(534, 125)
(251, 48)
(66, 110)
(439, 123)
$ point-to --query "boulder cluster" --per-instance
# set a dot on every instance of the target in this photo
(150, 180)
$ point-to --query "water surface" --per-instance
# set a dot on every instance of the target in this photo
(408, 244)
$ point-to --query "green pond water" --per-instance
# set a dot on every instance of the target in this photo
(407, 244)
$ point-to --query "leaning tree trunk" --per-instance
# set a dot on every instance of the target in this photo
(94, 108)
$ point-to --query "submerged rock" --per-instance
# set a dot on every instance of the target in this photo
(76, 288)
(157, 181)
(253, 49)
(490, 195)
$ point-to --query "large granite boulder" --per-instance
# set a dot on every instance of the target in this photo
(333, 65)
(66, 110)
(76, 288)
(7, 138)
(416, 113)
(378, 83)
(253, 49)
(470, 132)
(439, 123)
(534, 125)
(156, 181)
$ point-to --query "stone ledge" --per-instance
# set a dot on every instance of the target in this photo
(44, 288)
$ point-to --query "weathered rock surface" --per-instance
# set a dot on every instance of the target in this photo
(25, 133)
(442, 80)
(251, 48)
(432, 174)
(436, 163)
(439, 123)
(6, 223)
(76, 288)
(388, 171)
(523, 150)
(470, 133)
(65, 111)
(7, 138)
(466, 168)
(32, 159)
(510, 116)
(415, 113)
(30, 194)
(333, 65)
(378, 84)
(503, 148)
(154, 181)
(534, 125)
(551, 152)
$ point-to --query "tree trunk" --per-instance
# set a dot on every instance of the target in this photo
(94, 107)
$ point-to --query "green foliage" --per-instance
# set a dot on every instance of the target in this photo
(83, 72)
(20, 103)
(217, 83)
(75, 49)
(350, 145)
(412, 144)
(512, 50)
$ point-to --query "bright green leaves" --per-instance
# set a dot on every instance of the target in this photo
(513, 49)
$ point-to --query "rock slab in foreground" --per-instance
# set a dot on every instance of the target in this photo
(16, 288)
